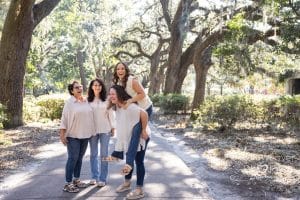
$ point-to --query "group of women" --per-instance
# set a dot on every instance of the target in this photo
(95, 119)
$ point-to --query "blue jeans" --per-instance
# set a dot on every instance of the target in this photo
(120, 154)
(140, 167)
(135, 140)
(76, 149)
(94, 161)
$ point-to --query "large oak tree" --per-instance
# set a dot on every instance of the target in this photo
(22, 18)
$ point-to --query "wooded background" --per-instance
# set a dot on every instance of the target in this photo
(185, 46)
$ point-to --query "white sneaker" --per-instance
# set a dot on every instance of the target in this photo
(93, 182)
(101, 184)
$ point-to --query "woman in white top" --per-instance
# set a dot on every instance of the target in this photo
(133, 87)
(130, 120)
(104, 124)
(77, 126)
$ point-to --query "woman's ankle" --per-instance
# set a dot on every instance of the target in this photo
(127, 182)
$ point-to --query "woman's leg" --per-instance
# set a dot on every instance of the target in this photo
(93, 141)
(149, 111)
(135, 139)
(104, 141)
(133, 145)
(73, 147)
(82, 149)
(140, 167)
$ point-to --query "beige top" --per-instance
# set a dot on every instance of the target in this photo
(144, 103)
(77, 118)
(126, 119)
(104, 119)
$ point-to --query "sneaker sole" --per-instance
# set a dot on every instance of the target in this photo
(136, 197)
(123, 190)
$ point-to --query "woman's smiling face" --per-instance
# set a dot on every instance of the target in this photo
(113, 96)
(121, 71)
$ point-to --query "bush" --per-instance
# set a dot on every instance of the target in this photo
(156, 99)
(224, 112)
(172, 103)
(2, 115)
(283, 111)
(31, 111)
(51, 106)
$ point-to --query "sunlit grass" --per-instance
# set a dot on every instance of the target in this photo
(4, 141)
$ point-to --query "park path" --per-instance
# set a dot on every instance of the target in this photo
(167, 175)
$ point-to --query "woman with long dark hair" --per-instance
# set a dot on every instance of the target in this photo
(104, 124)
(130, 120)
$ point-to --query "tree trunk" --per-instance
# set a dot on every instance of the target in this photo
(21, 19)
(201, 63)
(178, 33)
(14, 47)
(79, 62)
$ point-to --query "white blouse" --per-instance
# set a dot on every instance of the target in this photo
(104, 119)
(145, 103)
(126, 119)
(77, 118)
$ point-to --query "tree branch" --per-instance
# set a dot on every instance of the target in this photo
(43, 9)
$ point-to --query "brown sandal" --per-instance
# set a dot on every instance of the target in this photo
(126, 169)
(110, 159)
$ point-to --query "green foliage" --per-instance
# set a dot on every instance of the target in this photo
(31, 111)
(2, 115)
(238, 28)
(156, 99)
(225, 111)
(172, 103)
(287, 73)
(51, 106)
(283, 111)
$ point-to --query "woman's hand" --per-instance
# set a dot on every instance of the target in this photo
(62, 137)
(113, 132)
(63, 140)
(144, 134)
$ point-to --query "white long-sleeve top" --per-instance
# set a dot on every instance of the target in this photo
(126, 119)
(104, 119)
(77, 118)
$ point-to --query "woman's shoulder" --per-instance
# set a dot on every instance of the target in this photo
(133, 106)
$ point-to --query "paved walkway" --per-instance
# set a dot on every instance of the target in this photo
(167, 176)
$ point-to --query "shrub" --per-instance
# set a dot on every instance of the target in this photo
(156, 99)
(172, 103)
(2, 115)
(31, 111)
(224, 112)
(51, 106)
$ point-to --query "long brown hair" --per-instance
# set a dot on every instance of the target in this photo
(116, 79)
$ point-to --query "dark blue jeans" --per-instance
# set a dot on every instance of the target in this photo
(76, 149)
(120, 154)
(135, 140)
(140, 167)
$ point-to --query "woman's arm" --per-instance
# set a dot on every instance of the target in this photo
(138, 88)
(144, 121)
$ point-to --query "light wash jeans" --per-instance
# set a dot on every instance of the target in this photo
(76, 149)
(94, 161)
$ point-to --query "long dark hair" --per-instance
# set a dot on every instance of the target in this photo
(116, 78)
(121, 95)
(91, 95)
